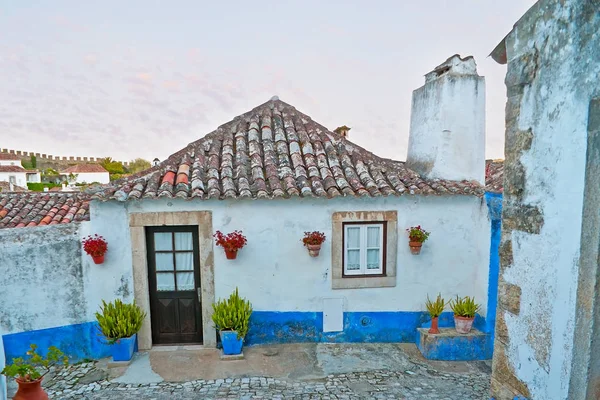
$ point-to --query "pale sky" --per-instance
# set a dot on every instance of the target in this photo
(144, 78)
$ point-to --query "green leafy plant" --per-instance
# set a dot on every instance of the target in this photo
(436, 307)
(232, 314)
(118, 320)
(464, 307)
(34, 366)
(417, 234)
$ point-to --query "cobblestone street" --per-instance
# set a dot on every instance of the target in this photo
(417, 379)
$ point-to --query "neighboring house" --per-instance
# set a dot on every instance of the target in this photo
(274, 173)
(87, 173)
(11, 171)
(9, 187)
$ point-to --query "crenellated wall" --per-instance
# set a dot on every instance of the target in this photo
(55, 162)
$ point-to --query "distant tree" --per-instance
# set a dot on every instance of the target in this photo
(138, 165)
(33, 161)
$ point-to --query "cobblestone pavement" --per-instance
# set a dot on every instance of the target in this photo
(84, 381)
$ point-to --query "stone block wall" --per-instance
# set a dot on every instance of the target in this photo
(55, 162)
(553, 58)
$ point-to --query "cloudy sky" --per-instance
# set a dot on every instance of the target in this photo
(131, 79)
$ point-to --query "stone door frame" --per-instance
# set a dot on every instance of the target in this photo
(137, 224)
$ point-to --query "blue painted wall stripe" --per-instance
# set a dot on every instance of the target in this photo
(80, 341)
(494, 203)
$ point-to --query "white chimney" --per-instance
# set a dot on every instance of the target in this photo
(45, 189)
(11, 187)
(447, 123)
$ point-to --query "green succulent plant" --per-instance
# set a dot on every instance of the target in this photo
(436, 307)
(118, 320)
(464, 307)
(232, 314)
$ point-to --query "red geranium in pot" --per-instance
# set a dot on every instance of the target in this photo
(96, 247)
(416, 237)
(29, 372)
(231, 243)
(313, 241)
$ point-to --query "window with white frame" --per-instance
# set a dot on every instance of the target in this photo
(364, 249)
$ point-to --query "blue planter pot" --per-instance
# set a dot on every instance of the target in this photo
(231, 344)
(122, 349)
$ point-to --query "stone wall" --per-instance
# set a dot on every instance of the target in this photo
(553, 67)
(55, 162)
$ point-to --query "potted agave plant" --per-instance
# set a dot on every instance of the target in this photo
(96, 247)
(464, 313)
(30, 371)
(416, 237)
(231, 317)
(313, 242)
(231, 242)
(120, 322)
(435, 309)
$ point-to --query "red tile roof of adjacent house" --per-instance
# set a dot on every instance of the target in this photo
(274, 151)
(84, 168)
(494, 176)
(8, 156)
(36, 209)
(12, 168)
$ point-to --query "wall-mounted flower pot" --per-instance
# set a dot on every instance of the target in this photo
(231, 254)
(98, 259)
(30, 390)
(231, 344)
(463, 324)
(313, 249)
(415, 247)
(122, 349)
(434, 330)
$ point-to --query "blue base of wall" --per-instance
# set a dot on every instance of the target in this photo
(453, 346)
(79, 342)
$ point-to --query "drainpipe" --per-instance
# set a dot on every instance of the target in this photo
(3, 395)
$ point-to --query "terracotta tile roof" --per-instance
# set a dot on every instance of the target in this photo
(84, 168)
(7, 156)
(5, 187)
(12, 168)
(274, 151)
(494, 175)
(18, 210)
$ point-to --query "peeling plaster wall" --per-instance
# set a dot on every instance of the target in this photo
(275, 272)
(50, 289)
(553, 67)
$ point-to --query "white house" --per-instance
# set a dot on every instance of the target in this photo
(274, 173)
(88, 173)
(11, 171)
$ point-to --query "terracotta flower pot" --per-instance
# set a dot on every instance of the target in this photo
(30, 390)
(313, 249)
(231, 254)
(415, 247)
(98, 259)
(434, 326)
(463, 324)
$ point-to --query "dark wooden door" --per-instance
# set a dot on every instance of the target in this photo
(174, 278)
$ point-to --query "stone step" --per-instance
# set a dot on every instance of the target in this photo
(450, 345)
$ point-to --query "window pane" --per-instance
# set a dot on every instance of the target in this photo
(184, 261)
(373, 236)
(183, 241)
(353, 262)
(165, 282)
(353, 239)
(185, 281)
(163, 241)
(164, 261)
(373, 259)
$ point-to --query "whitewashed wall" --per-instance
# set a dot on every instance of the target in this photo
(20, 177)
(275, 272)
(91, 177)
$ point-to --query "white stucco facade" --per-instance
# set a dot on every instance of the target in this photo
(275, 272)
(91, 177)
(18, 178)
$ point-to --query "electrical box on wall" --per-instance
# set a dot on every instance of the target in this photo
(333, 315)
